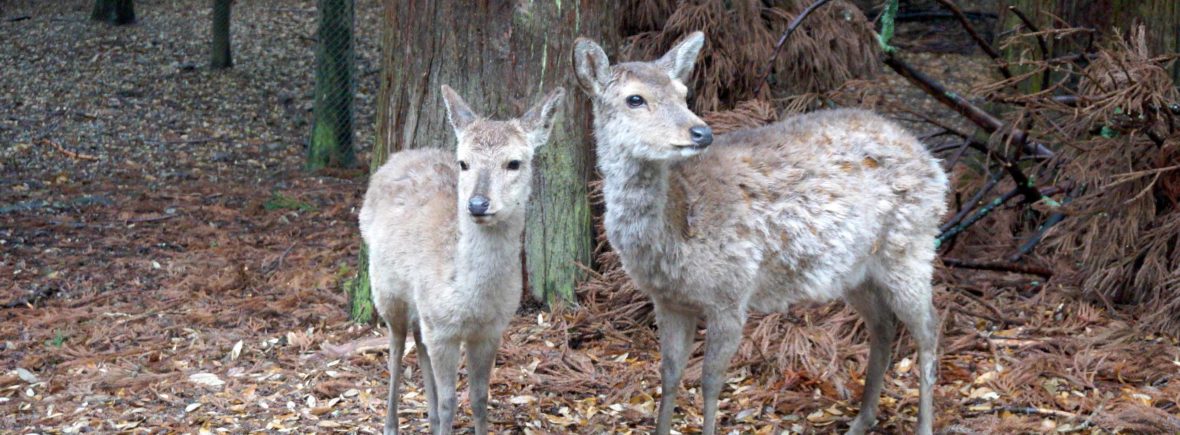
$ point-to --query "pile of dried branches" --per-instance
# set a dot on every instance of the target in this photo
(1093, 153)
(1123, 226)
(827, 50)
(1075, 149)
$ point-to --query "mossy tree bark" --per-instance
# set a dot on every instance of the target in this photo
(221, 56)
(1161, 18)
(332, 128)
(117, 12)
(501, 57)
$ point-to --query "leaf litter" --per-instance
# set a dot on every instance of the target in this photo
(158, 288)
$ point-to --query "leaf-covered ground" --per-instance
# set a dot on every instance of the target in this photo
(167, 265)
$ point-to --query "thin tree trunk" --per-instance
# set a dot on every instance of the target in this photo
(332, 130)
(220, 54)
(501, 57)
(117, 12)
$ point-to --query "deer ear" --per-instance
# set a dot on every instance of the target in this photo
(458, 113)
(538, 121)
(679, 60)
(591, 66)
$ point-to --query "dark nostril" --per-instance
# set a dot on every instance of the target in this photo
(478, 205)
(701, 135)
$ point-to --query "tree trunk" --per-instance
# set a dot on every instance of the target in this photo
(1161, 17)
(220, 54)
(332, 129)
(501, 57)
(117, 12)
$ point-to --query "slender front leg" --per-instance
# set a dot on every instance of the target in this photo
(397, 345)
(427, 377)
(481, 356)
(676, 333)
(724, 332)
(444, 360)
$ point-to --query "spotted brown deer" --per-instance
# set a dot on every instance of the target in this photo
(833, 204)
(443, 231)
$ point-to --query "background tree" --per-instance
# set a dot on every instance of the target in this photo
(332, 129)
(117, 12)
(1161, 17)
(220, 53)
(501, 57)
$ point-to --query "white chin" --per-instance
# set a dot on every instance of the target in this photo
(690, 151)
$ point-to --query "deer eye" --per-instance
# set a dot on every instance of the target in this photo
(635, 101)
(514, 165)
(462, 165)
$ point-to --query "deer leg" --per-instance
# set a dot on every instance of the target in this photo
(924, 328)
(882, 328)
(676, 333)
(427, 377)
(444, 360)
(481, 356)
(396, 324)
(722, 336)
(911, 299)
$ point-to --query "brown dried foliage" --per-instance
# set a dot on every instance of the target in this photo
(832, 46)
(1124, 225)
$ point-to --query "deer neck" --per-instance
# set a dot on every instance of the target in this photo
(636, 196)
(488, 257)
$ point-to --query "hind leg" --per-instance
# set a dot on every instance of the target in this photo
(882, 328)
(909, 292)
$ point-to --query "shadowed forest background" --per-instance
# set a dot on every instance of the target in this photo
(179, 183)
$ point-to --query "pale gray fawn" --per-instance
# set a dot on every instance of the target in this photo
(443, 231)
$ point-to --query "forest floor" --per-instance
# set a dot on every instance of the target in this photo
(168, 265)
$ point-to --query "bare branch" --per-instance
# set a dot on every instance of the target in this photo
(998, 267)
(983, 44)
(794, 24)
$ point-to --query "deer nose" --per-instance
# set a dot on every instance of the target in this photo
(478, 205)
(701, 135)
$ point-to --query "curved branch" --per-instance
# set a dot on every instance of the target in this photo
(953, 100)
(1040, 42)
(983, 44)
(794, 24)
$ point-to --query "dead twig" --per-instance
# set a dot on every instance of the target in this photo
(277, 264)
(1029, 410)
(959, 104)
(794, 24)
(363, 345)
(971, 203)
(1036, 237)
(71, 154)
(998, 267)
(983, 44)
(1040, 42)
(139, 220)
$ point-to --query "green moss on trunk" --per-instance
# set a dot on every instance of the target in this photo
(332, 130)
(360, 299)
